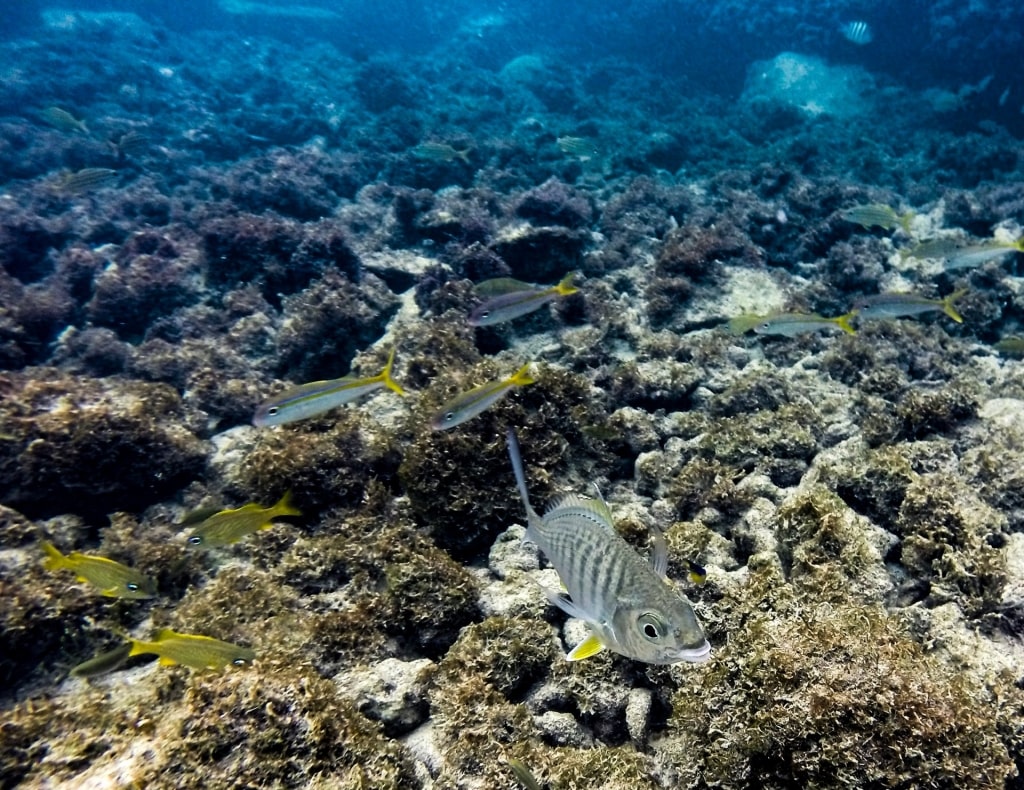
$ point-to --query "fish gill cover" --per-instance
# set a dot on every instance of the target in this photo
(725, 242)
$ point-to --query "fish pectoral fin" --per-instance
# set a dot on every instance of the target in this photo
(565, 603)
(585, 649)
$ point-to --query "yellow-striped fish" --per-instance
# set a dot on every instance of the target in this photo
(627, 602)
(897, 305)
(113, 579)
(469, 404)
(103, 663)
(190, 650)
(961, 254)
(523, 299)
(230, 526)
(309, 400)
(793, 324)
(878, 215)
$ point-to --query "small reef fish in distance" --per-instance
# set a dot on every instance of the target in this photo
(197, 652)
(581, 147)
(857, 32)
(103, 663)
(878, 215)
(626, 601)
(525, 298)
(63, 121)
(1010, 347)
(86, 180)
(697, 574)
(897, 305)
(230, 526)
(523, 774)
(793, 324)
(469, 404)
(440, 152)
(958, 254)
(309, 400)
(113, 579)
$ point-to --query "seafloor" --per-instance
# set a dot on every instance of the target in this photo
(857, 500)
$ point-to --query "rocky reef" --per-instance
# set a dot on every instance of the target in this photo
(170, 259)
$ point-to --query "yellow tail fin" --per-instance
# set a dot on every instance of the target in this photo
(947, 305)
(522, 377)
(843, 322)
(565, 286)
(385, 375)
(54, 559)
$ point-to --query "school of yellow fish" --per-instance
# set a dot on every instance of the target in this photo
(629, 605)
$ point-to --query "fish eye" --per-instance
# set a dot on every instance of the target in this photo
(195, 540)
(650, 626)
(272, 410)
(132, 586)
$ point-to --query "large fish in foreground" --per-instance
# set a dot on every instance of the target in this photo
(627, 602)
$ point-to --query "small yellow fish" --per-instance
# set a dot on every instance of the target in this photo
(878, 215)
(63, 120)
(190, 650)
(316, 397)
(793, 324)
(897, 305)
(230, 526)
(86, 180)
(960, 254)
(520, 298)
(113, 579)
(697, 574)
(440, 152)
(1010, 347)
(469, 404)
(103, 663)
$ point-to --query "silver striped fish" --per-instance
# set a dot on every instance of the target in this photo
(627, 602)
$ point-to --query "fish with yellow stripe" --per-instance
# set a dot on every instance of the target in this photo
(113, 579)
(626, 601)
(316, 397)
(192, 650)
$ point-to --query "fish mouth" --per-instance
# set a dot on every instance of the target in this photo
(694, 655)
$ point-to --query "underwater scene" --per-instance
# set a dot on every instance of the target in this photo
(457, 396)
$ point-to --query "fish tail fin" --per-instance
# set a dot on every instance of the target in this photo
(285, 506)
(54, 559)
(947, 305)
(905, 219)
(843, 322)
(385, 375)
(140, 648)
(565, 286)
(517, 467)
(522, 377)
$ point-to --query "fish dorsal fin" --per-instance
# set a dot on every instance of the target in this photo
(588, 647)
(597, 508)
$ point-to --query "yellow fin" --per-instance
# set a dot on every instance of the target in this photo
(385, 376)
(588, 647)
(522, 377)
(565, 286)
(54, 559)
